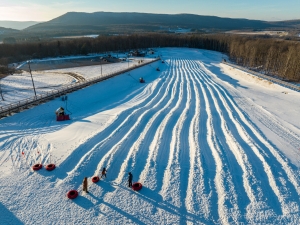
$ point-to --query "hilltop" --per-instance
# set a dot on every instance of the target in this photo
(143, 21)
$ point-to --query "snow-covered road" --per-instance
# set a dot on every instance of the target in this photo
(206, 143)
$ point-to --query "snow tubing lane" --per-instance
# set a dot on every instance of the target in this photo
(72, 194)
(95, 179)
(137, 186)
(50, 167)
(37, 167)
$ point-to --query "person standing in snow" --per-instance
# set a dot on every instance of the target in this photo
(129, 179)
(85, 185)
(103, 172)
(60, 111)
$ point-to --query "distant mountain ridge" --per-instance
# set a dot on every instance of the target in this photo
(108, 23)
(289, 23)
(100, 20)
(18, 25)
(7, 30)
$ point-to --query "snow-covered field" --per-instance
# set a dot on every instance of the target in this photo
(266, 32)
(210, 144)
(19, 86)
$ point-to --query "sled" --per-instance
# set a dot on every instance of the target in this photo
(62, 117)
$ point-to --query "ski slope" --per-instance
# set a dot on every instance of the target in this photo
(209, 143)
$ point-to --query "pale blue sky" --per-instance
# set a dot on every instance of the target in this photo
(44, 10)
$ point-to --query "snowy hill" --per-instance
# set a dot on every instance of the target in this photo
(210, 144)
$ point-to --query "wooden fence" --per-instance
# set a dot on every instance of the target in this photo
(269, 78)
(38, 99)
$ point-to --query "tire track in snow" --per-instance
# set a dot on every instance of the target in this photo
(265, 191)
(17, 141)
(228, 153)
(262, 143)
(183, 216)
(144, 140)
(109, 143)
(163, 206)
(220, 176)
(108, 136)
(234, 147)
(276, 153)
(150, 172)
(210, 194)
(196, 184)
(228, 209)
(145, 116)
(192, 187)
(175, 178)
(268, 119)
(157, 159)
(141, 144)
(268, 169)
(240, 191)
(274, 124)
(249, 181)
(26, 151)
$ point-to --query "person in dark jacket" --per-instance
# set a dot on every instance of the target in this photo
(103, 172)
(85, 185)
(129, 179)
(60, 111)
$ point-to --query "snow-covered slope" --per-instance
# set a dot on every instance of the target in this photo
(209, 143)
(19, 86)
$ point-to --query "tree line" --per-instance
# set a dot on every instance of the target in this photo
(270, 56)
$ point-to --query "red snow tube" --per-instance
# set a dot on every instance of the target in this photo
(95, 179)
(62, 117)
(50, 167)
(137, 186)
(37, 166)
(66, 117)
(72, 194)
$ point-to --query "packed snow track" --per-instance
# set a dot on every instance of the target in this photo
(205, 150)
